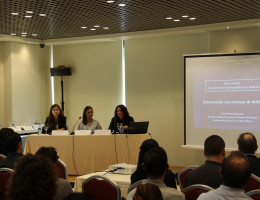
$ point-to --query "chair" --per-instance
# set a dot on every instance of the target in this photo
(193, 192)
(253, 183)
(5, 174)
(254, 194)
(101, 188)
(134, 185)
(2, 157)
(182, 175)
(62, 169)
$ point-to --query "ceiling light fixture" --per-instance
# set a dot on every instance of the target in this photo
(192, 18)
(92, 29)
(176, 20)
(13, 34)
(83, 27)
(96, 26)
(122, 4)
(14, 13)
(29, 12)
(42, 15)
(34, 34)
(228, 27)
(105, 28)
(110, 1)
(28, 16)
(185, 16)
(24, 33)
(168, 18)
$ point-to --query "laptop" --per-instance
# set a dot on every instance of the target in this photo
(138, 127)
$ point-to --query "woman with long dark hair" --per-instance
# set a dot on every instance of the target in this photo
(88, 123)
(140, 174)
(56, 120)
(121, 117)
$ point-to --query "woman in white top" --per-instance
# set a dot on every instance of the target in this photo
(88, 123)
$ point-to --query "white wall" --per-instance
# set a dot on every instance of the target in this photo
(96, 79)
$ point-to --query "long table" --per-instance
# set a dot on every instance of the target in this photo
(84, 154)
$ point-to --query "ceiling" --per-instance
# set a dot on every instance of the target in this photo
(65, 18)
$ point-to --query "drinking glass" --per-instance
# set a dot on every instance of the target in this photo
(120, 127)
(46, 126)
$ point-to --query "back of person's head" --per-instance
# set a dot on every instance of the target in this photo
(145, 146)
(48, 152)
(79, 196)
(4, 133)
(155, 162)
(12, 143)
(34, 178)
(214, 145)
(236, 170)
(147, 192)
(247, 143)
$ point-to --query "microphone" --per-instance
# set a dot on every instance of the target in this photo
(73, 133)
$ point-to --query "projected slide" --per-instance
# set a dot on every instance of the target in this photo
(222, 93)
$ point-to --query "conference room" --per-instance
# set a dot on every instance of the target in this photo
(142, 67)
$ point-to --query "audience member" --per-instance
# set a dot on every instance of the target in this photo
(79, 196)
(156, 165)
(34, 178)
(247, 144)
(4, 133)
(147, 192)
(140, 174)
(14, 148)
(235, 172)
(63, 186)
(208, 173)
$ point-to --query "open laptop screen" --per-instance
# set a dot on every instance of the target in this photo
(138, 127)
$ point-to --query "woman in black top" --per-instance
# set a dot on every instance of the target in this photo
(140, 174)
(121, 116)
(56, 120)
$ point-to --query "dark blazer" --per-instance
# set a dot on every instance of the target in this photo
(113, 126)
(61, 124)
(255, 164)
(10, 160)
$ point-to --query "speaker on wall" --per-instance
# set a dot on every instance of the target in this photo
(61, 71)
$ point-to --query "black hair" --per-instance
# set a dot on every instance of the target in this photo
(214, 145)
(236, 170)
(52, 123)
(84, 116)
(48, 152)
(155, 162)
(247, 143)
(4, 133)
(79, 196)
(124, 110)
(139, 173)
(12, 141)
(147, 192)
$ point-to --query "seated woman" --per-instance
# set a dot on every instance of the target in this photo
(88, 123)
(140, 174)
(56, 120)
(121, 116)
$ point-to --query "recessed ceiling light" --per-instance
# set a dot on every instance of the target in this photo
(105, 28)
(168, 18)
(185, 16)
(42, 15)
(14, 13)
(122, 4)
(176, 20)
(28, 16)
(96, 26)
(13, 34)
(83, 27)
(92, 29)
(24, 33)
(29, 12)
(192, 18)
(34, 34)
(228, 27)
(110, 1)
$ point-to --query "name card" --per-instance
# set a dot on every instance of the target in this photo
(56, 132)
(102, 132)
(82, 132)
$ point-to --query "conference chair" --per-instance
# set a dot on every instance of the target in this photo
(134, 185)
(62, 169)
(100, 188)
(253, 183)
(2, 157)
(254, 194)
(182, 175)
(193, 192)
(5, 174)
